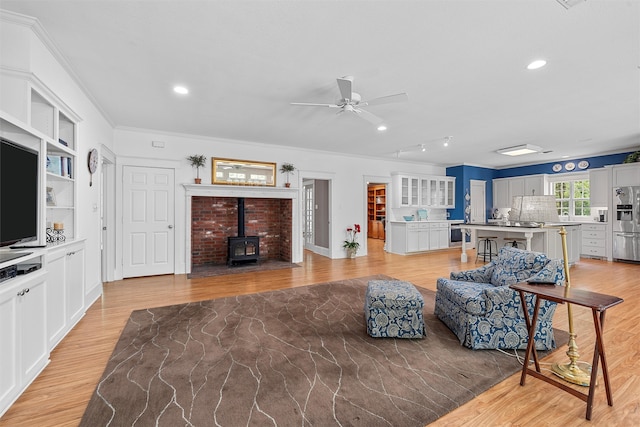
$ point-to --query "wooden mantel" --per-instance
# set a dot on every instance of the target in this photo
(252, 192)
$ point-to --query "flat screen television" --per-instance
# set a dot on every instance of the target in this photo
(19, 194)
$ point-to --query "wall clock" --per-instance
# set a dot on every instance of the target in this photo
(92, 164)
(570, 166)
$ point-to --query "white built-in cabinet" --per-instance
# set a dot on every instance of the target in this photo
(59, 128)
(594, 240)
(424, 191)
(24, 352)
(626, 174)
(39, 307)
(65, 284)
(418, 236)
(505, 189)
(600, 187)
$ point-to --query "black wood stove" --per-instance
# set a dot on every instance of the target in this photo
(242, 249)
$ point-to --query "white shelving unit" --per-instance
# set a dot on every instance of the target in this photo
(60, 131)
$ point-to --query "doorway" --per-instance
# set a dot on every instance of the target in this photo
(107, 214)
(478, 204)
(317, 224)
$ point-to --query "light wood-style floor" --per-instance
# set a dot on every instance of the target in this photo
(58, 397)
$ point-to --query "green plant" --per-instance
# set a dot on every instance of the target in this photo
(632, 158)
(197, 161)
(287, 168)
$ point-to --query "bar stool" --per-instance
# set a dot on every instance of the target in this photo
(516, 242)
(486, 246)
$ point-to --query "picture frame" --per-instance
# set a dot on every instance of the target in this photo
(51, 197)
(243, 172)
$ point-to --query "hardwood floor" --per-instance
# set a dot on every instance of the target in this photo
(60, 394)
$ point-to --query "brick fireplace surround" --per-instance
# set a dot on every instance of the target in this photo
(213, 219)
(272, 213)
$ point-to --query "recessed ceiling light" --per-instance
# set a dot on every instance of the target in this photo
(181, 90)
(382, 128)
(538, 63)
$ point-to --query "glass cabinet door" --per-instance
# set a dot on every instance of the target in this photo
(414, 191)
(424, 192)
(441, 195)
(450, 193)
(405, 192)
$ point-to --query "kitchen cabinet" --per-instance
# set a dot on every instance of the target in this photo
(553, 247)
(65, 301)
(501, 195)
(626, 174)
(594, 240)
(438, 235)
(505, 189)
(424, 191)
(24, 352)
(406, 190)
(419, 236)
(600, 187)
(438, 192)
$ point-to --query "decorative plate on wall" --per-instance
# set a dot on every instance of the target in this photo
(583, 164)
(570, 166)
(557, 167)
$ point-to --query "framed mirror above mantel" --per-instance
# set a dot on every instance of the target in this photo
(243, 172)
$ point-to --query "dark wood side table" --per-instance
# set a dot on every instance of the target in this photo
(598, 303)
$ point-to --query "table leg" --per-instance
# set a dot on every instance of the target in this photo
(531, 327)
(463, 256)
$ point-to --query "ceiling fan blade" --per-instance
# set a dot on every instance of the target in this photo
(344, 84)
(399, 97)
(310, 104)
(371, 118)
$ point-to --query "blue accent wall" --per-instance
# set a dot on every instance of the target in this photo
(464, 174)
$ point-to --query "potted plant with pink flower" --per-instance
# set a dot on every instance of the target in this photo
(351, 244)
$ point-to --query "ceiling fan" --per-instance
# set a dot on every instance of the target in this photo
(352, 102)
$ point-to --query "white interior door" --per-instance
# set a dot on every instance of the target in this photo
(308, 215)
(148, 229)
(478, 201)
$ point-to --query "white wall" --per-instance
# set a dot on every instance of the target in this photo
(348, 198)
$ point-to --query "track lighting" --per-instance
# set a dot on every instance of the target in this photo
(422, 148)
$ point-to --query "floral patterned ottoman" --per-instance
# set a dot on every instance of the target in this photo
(393, 309)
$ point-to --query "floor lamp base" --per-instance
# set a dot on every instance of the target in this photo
(572, 373)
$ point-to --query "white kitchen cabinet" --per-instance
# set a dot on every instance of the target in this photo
(406, 190)
(65, 301)
(600, 187)
(438, 192)
(438, 235)
(24, 352)
(594, 240)
(419, 236)
(501, 195)
(553, 247)
(505, 189)
(424, 191)
(626, 174)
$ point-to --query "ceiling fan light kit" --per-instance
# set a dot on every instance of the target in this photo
(520, 150)
(352, 102)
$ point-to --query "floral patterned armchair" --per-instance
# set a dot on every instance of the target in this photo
(485, 313)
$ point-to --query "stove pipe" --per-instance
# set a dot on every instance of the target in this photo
(241, 217)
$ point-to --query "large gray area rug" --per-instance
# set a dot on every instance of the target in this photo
(295, 357)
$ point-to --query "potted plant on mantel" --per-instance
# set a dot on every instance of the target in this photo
(287, 168)
(197, 161)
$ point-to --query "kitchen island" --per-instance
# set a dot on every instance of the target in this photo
(540, 237)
